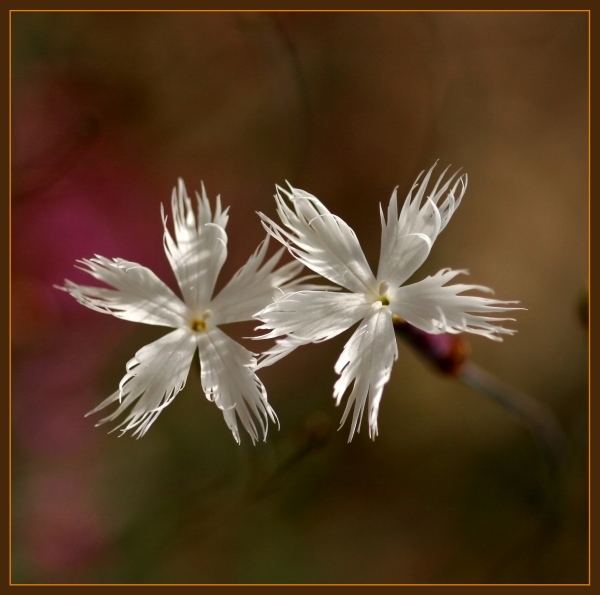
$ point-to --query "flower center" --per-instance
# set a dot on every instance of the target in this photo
(199, 323)
(382, 294)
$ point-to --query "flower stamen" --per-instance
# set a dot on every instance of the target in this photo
(198, 325)
(382, 295)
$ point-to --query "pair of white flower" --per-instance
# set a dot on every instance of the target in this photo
(291, 311)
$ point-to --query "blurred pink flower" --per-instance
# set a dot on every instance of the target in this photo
(62, 530)
(77, 188)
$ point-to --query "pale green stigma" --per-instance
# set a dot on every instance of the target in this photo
(382, 291)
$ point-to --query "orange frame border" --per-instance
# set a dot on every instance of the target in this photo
(10, 11)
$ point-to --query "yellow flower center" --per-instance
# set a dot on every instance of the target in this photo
(198, 325)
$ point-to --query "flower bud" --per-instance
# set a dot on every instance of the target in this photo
(446, 352)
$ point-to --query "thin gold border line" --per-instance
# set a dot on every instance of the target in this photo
(300, 584)
(315, 10)
(589, 341)
(294, 10)
(9, 298)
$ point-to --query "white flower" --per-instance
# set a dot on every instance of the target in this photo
(327, 245)
(158, 371)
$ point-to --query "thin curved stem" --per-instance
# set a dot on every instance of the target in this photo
(539, 420)
(449, 354)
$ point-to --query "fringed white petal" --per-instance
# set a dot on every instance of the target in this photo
(282, 348)
(137, 295)
(305, 317)
(366, 364)
(406, 239)
(227, 373)
(155, 375)
(435, 307)
(199, 248)
(320, 240)
(312, 315)
(255, 285)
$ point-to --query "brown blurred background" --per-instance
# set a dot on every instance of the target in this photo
(108, 109)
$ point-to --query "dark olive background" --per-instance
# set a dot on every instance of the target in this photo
(109, 109)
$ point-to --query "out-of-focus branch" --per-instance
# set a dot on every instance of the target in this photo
(449, 354)
(314, 435)
(540, 420)
(297, 72)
